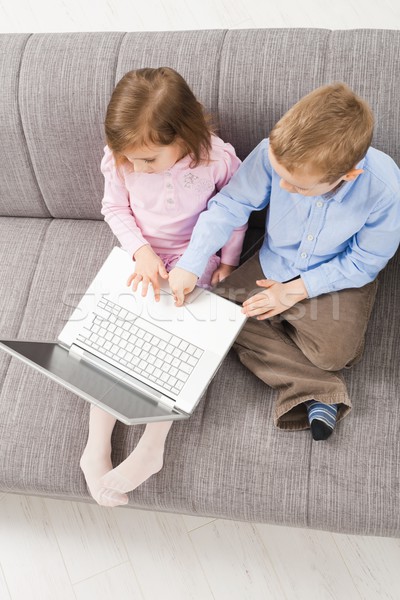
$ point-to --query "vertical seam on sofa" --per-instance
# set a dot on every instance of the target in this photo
(23, 130)
(326, 56)
(118, 56)
(114, 84)
(219, 74)
(308, 487)
(34, 273)
(27, 300)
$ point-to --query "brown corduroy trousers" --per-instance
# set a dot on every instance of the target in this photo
(300, 352)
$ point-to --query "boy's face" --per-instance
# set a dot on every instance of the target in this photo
(304, 181)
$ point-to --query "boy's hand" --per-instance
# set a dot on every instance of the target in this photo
(181, 282)
(221, 273)
(148, 267)
(275, 298)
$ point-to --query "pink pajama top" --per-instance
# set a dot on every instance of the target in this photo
(161, 209)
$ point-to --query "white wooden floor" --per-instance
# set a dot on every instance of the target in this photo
(55, 550)
(163, 15)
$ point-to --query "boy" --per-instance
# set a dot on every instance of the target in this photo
(333, 222)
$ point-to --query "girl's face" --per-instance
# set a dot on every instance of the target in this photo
(154, 159)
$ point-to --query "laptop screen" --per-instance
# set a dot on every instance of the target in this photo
(128, 405)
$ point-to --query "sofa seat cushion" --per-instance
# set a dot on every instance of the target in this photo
(227, 460)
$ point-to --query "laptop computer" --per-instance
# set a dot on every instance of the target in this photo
(136, 358)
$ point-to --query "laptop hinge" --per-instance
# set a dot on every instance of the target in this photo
(76, 352)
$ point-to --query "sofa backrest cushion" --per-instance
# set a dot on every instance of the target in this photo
(54, 90)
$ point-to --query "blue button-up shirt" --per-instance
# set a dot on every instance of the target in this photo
(333, 241)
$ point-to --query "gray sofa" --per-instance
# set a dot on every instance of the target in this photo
(228, 460)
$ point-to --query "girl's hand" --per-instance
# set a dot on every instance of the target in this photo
(275, 299)
(148, 267)
(221, 273)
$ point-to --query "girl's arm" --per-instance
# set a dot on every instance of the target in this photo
(118, 214)
(116, 208)
(230, 253)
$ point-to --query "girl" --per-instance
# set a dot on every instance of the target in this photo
(161, 166)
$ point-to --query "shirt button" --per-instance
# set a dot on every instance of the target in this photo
(319, 203)
(169, 186)
(303, 255)
(170, 201)
(310, 237)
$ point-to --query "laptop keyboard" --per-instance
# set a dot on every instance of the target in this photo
(140, 346)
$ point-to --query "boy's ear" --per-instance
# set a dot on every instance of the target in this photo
(353, 174)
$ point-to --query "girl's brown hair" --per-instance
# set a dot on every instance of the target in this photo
(156, 106)
(329, 130)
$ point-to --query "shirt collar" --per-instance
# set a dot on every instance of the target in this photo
(345, 187)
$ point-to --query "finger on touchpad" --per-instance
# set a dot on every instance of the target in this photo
(193, 295)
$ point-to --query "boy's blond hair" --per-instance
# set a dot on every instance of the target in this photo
(328, 131)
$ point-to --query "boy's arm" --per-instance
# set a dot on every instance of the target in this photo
(248, 190)
(225, 167)
(367, 253)
(116, 208)
(274, 298)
